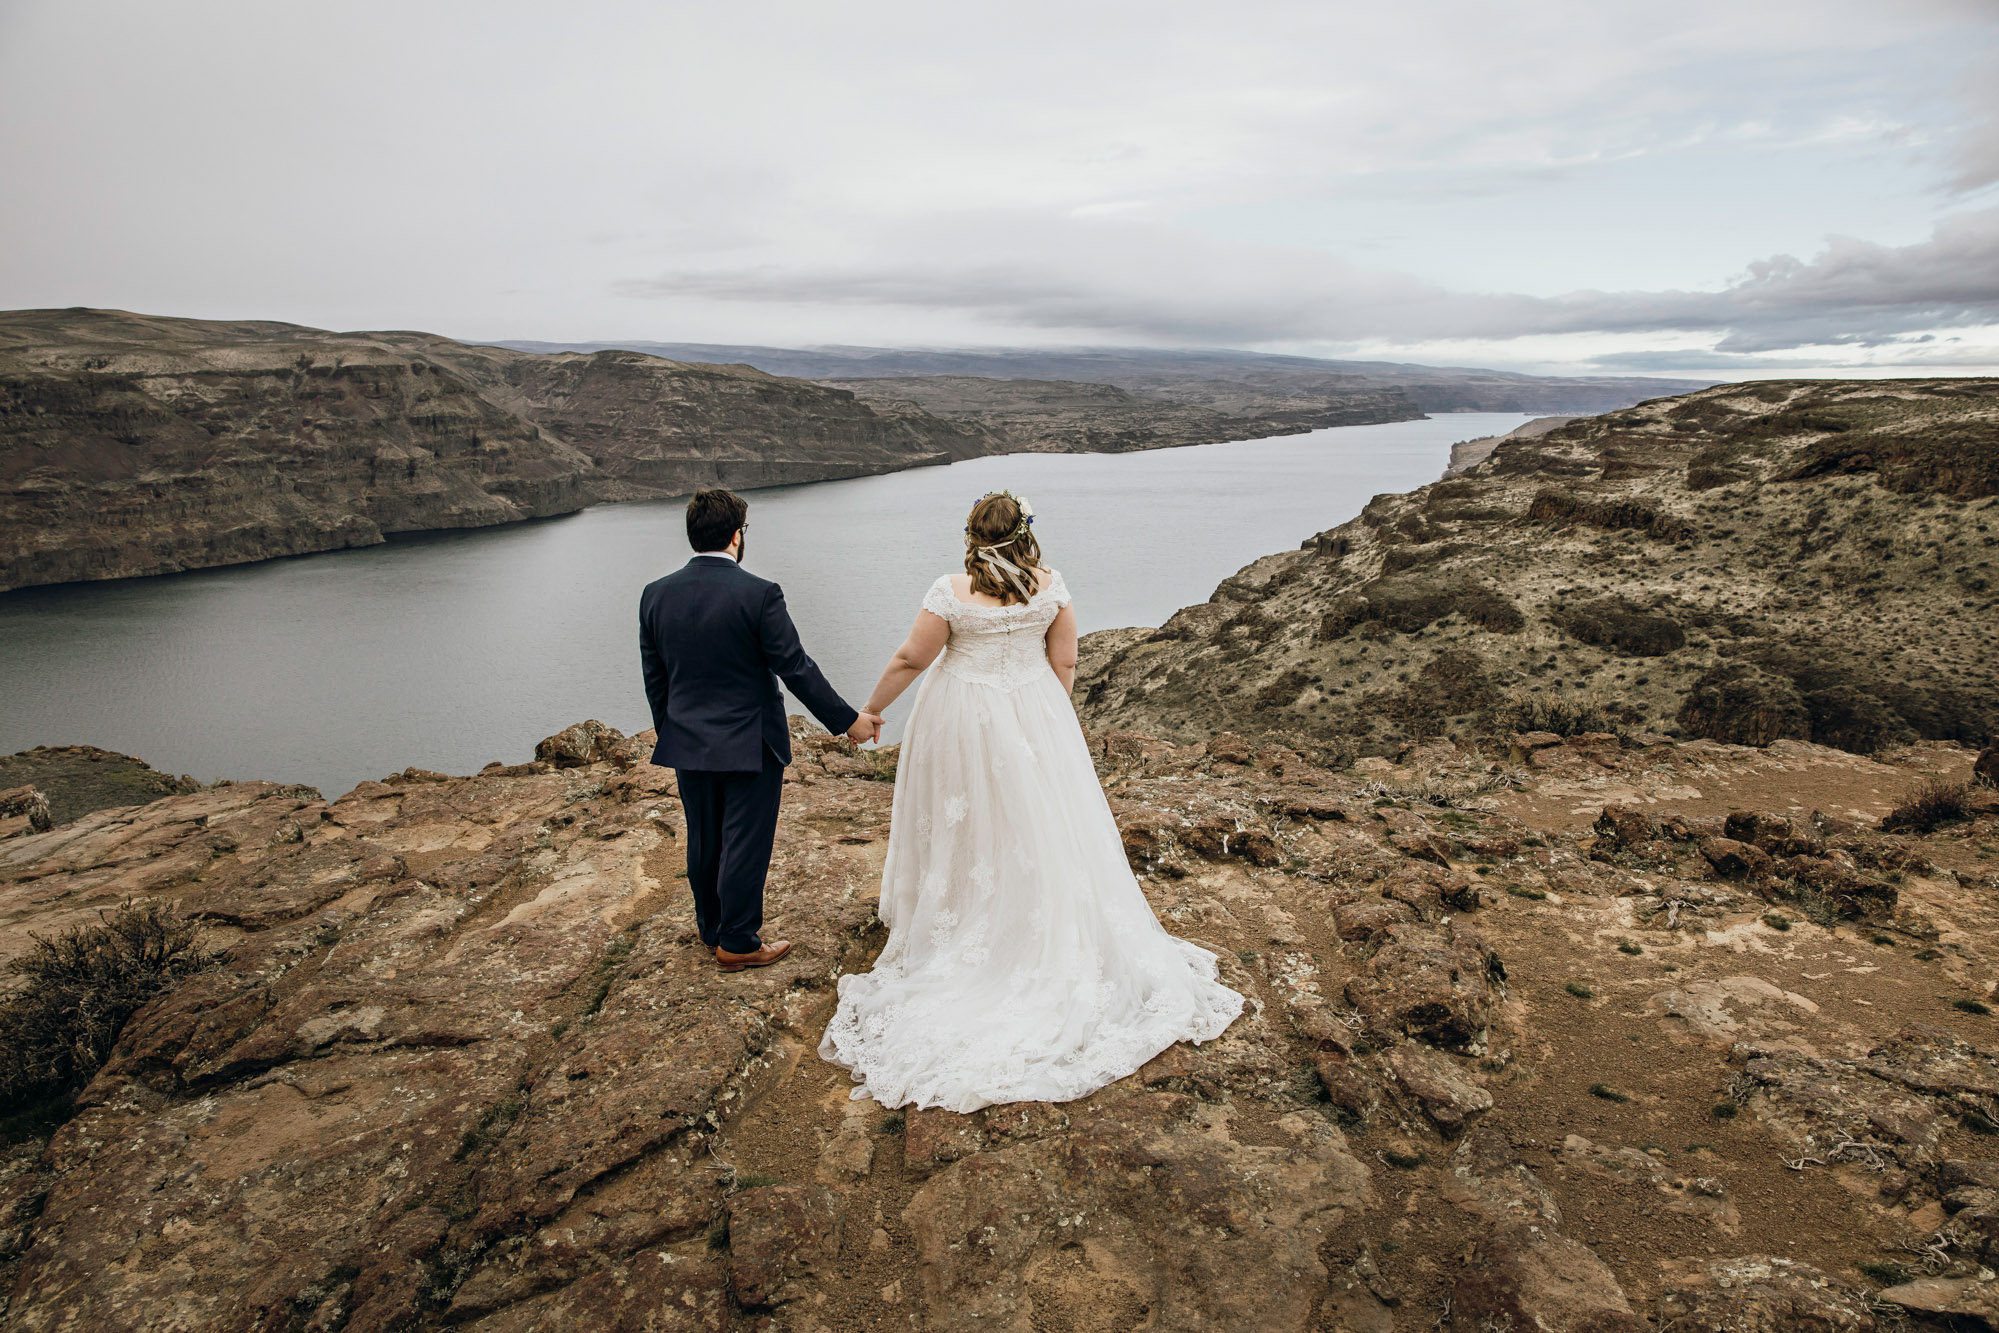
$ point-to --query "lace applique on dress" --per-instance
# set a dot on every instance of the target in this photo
(1006, 646)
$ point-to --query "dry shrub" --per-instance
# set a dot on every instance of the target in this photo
(1958, 459)
(1616, 624)
(1563, 507)
(77, 989)
(1851, 719)
(1451, 684)
(1740, 704)
(1706, 477)
(1284, 690)
(1706, 413)
(1931, 805)
(1405, 604)
(1564, 715)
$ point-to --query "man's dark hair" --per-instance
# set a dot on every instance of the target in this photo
(713, 517)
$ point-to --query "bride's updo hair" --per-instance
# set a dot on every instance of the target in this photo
(997, 522)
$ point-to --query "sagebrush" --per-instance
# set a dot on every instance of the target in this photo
(1931, 805)
(75, 991)
(1564, 715)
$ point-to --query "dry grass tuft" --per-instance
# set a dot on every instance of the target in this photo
(1932, 805)
(1564, 715)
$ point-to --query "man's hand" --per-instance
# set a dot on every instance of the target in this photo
(867, 728)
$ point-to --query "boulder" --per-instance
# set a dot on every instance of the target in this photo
(1359, 921)
(1443, 1089)
(1434, 983)
(1527, 742)
(1524, 1278)
(588, 743)
(1228, 748)
(1423, 846)
(1851, 893)
(1954, 1173)
(1778, 835)
(1735, 860)
(27, 804)
(1345, 1086)
(1219, 839)
(1761, 1294)
(1972, 1297)
(1626, 825)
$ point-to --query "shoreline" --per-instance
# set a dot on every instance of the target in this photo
(448, 651)
(634, 493)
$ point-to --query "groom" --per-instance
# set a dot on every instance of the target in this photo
(714, 641)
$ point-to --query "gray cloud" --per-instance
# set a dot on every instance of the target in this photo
(897, 171)
(1139, 280)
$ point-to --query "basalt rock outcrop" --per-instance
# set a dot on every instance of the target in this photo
(1520, 1054)
(1063, 416)
(136, 445)
(74, 780)
(1221, 379)
(1791, 560)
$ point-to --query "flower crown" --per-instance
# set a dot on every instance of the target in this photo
(1020, 528)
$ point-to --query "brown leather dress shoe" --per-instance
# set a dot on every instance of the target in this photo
(764, 957)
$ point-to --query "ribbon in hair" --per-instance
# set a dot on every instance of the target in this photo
(1006, 569)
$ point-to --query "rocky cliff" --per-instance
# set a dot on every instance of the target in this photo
(1591, 1035)
(665, 427)
(1806, 560)
(134, 446)
(1066, 416)
(1215, 377)
(137, 445)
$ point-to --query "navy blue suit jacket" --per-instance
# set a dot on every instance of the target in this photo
(714, 640)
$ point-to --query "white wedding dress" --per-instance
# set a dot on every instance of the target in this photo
(1023, 962)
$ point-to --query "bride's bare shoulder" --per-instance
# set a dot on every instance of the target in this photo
(1045, 576)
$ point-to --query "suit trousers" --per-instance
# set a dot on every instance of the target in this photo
(731, 824)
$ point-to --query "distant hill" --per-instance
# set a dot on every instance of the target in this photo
(1206, 377)
(1795, 559)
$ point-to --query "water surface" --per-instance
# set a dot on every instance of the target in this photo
(450, 650)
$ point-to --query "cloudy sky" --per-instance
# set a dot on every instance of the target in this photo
(1728, 187)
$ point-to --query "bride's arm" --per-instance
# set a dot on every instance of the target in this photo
(926, 639)
(1062, 647)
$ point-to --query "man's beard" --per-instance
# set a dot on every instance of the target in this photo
(742, 547)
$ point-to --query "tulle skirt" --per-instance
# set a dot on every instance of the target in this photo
(1023, 962)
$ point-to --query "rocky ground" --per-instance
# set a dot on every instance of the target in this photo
(1809, 560)
(1561, 1034)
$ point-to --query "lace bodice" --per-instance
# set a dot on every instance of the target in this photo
(1004, 646)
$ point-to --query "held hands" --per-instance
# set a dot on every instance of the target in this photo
(867, 729)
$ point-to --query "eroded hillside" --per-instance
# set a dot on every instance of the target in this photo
(1063, 416)
(1809, 560)
(134, 445)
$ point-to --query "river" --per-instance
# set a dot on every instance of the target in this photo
(448, 650)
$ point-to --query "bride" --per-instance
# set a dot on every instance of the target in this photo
(1023, 963)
